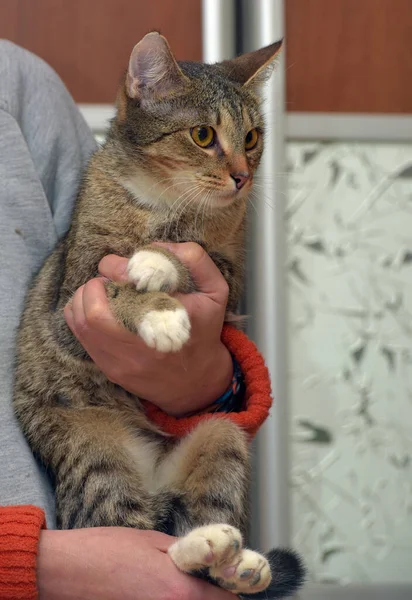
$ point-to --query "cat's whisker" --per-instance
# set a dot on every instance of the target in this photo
(178, 180)
(258, 198)
(191, 195)
(172, 221)
(253, 205)
(209, 208)
(264, 187)
(167, 189)
(165, 179)
(261, 194)
(186, 204)
(199, 211)
(185, 196)
(276, 174)
(192, 200)
(178, 200)
(188, 180)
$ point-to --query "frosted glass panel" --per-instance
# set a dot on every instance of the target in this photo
(350, 302)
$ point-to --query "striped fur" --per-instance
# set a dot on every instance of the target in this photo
(110, 465)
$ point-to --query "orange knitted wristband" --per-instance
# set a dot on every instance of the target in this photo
(258, 398)
(20, 528)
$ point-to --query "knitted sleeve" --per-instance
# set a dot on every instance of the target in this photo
(258, 391)
(20, 528)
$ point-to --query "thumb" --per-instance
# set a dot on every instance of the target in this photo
(114, 267)
(207, 277)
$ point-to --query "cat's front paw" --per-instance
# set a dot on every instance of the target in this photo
(152, 271)
(219, 549)
(206, 546)
(165, 330)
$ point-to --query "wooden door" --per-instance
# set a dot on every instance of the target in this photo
(342, 55)
(88, 42)
(349, 55)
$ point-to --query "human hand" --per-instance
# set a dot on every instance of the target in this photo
(178, 383)
(113, 563)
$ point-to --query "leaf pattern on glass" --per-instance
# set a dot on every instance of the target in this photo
(349, 269)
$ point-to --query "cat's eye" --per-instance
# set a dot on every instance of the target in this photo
(251, 139)
(203, 136)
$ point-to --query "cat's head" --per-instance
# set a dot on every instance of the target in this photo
(190, 133)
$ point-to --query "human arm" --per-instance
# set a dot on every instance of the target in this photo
(114, 563)
(89, 564)
(174, 384)
(178, 382)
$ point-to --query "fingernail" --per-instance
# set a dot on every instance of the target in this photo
(167, 245)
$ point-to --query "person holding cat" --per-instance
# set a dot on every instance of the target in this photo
(44, 148)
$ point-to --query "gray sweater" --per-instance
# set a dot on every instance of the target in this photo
(44, 146)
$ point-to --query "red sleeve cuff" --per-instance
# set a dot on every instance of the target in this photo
(20, 528)
(258, 391)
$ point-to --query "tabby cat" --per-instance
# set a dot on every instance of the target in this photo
(177, 165)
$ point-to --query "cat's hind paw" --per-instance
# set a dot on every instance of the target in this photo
(218, 548)
(165, 330)
(152, 271)
(248, 573)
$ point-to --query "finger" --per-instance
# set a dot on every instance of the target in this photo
(160, 540)
(97, 310)
(203, 312)
(209, 280)
(100, 317)
(74, 313)
(114, 267)
(68, 315)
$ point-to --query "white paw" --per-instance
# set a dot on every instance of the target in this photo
(219, 548)
(165, 330)
(206, 546)
(152, 272)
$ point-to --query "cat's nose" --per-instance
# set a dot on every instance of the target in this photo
(240, 179)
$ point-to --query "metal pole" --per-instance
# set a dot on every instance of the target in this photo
(263, 22)
(219, 30)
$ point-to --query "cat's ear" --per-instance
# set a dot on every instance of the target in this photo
(254, 68)
(153, 71)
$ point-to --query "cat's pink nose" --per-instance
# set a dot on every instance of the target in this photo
(240, 179)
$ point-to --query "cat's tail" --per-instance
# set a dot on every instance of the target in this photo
(288, 575)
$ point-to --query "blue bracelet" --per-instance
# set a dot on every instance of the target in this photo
(232, 399)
